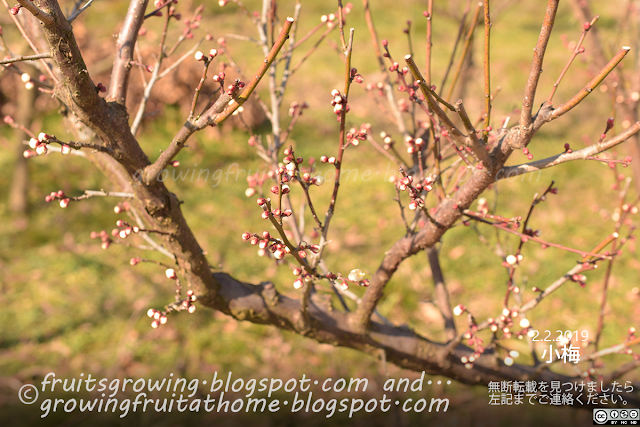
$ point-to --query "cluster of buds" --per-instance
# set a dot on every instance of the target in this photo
(339, 103)
(512, 261)
(411, 87)
(254, 181)
(472, 339)
(219, 78)
(291, 167)
(302, 277)
(580, 279)
(124, 229)
(199, 56)
(237, 85)
(160, 317)
(265, 204)
(312, 180)
(40, 145)
(121, 207)
(189, 25)
(414, 145)
(406, 183)
(526, 152)
(267, 242)
(387, 140)
(101, 88)
(104, 236)
(331, 160)
(378, 86)
(353, 74)
(296, 109)
(354, 136)
(58, 195)
(28, 82)
(356, 277)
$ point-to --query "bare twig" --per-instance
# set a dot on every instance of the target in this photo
(526, 119)
(487, 72)
(577, 98)
(79, 11)
(582, 154)
(465, 50)
(35, 11)
(220, 111)
(25, 58)
(576, 51)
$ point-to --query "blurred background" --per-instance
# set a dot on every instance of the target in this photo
(69, 306)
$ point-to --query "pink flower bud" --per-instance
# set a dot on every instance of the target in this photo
(135, 261)
(171, 273)
(191, 309)
(246, 236)
(64, 203)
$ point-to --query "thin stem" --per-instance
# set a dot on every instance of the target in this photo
(219, 111)
(25, 58)
(199, 88)
(33, 47)
(583, 154)
(533, 238)
(577, 98)
(487, 71)
(79, 11)
(465, 50)
(456, 43)
(388, 87)
(575, 53)
(341, 25)
(341, 146)
(429, 44)
(137, 121)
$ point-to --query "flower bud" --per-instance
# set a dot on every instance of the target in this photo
(171, 273)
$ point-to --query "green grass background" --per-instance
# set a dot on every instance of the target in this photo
(69, 306)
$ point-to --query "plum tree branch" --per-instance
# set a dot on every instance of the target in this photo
(582, 154)
(577, 98)
(526, 119)
(36, 11)
(124, 51)
(222, 109)
(25, 58)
